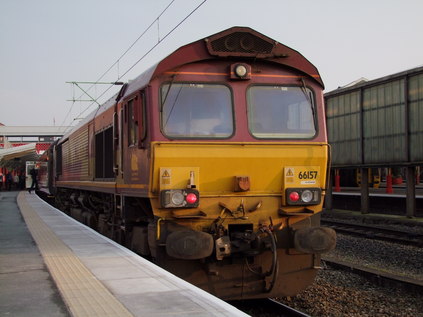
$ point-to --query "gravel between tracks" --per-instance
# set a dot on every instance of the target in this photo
(339, 293)
(387, 256)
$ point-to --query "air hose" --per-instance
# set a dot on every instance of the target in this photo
(274, 269)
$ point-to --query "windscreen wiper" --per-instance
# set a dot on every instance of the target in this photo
(309, 97)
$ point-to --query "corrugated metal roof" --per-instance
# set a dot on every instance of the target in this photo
(373, 82)
(25, 152)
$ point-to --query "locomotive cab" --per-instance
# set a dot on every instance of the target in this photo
(239, 169)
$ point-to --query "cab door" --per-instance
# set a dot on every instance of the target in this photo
(132, 135)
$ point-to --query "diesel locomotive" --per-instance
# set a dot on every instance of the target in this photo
(212, 163)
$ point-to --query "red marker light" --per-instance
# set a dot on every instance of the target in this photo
(294, 196)
(191, 198)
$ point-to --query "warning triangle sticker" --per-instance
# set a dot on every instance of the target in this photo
(289, 173)
(166, 174)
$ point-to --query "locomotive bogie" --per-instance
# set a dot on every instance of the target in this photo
(235, 280)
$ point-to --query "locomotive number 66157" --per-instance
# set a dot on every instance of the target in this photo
(212, 163)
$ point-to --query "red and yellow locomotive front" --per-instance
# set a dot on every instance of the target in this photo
(239, 159)
(213, 163)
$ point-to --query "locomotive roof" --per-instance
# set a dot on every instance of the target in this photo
(236, 42)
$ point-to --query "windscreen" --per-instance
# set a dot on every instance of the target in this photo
(279, 112)
(192, 110)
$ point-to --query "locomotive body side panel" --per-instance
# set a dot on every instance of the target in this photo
(75, 156)
(86, 156)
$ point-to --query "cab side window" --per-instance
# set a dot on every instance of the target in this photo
(132, 123)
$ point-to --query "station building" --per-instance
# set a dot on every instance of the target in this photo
(19, 144)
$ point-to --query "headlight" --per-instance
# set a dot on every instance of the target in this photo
(303, 196)
(240, 70)
(307, 196)
(179, 198)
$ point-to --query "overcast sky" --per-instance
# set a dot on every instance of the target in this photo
(46, 43)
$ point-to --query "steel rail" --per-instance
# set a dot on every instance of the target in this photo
(383, 278)
(375, 232)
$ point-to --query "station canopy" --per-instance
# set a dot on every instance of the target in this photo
(11, 156)
(19, 144)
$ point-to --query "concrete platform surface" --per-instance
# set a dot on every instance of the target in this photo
(98, 277)
(26, 287)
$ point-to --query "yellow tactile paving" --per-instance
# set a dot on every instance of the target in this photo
(82, 292)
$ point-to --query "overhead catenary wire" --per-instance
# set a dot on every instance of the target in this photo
(117, 62)
(133, 44)
(159, 41)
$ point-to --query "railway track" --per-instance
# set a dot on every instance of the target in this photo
(267, 307)
(340, 291)
(376, 232)
(380, 277)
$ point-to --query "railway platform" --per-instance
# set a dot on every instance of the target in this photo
(372, 217)
(399, 191)
(377, 200)
(72, 270)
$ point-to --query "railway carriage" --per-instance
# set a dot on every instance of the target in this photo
(212, 163)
